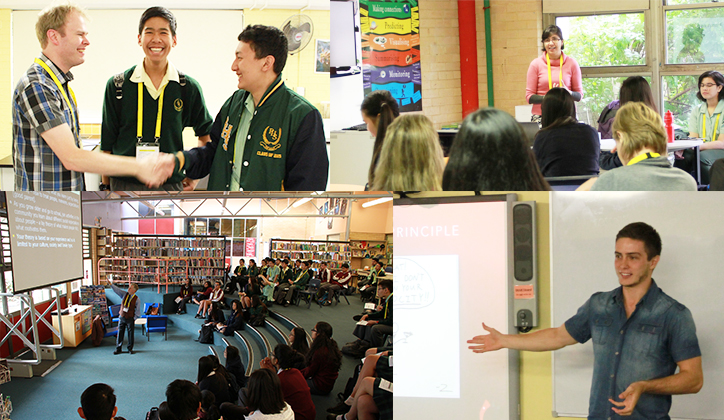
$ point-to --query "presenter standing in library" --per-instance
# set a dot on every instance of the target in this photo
(640, 336)
(552, 69)
(126, 318)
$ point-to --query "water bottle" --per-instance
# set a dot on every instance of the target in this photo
(668, 123)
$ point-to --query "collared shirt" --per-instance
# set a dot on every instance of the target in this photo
(140, 76)
(273, 272)
(241, 136)
(648, 345)
(38, 106)
(702, 113)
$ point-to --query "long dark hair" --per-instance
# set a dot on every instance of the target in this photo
(265, 392)
(637, 89)
(324, 340)
(287, 357)
(300, 341)
(491, 153)
(379, 105)
(206, 366)
(557, 109)
(256, 301)
(716, 77)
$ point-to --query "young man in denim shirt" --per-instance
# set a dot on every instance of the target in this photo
(640, 336)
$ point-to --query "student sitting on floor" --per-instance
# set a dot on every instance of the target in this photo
(641, 143)
(323, 360)
(294, 387)
(213, 378)
(298, 338)
(235, 366)
(183, 401)
(565, 147)
(375, 366)
(235, 321)
(264, 400)
(491, 153)
(98, 402)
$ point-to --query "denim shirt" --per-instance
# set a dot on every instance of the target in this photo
(648, 345)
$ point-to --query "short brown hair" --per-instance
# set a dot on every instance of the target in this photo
(642, 128)
(54, 17)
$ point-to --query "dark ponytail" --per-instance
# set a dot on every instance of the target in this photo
(381, 106)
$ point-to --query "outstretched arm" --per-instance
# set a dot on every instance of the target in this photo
(543, 340)
(689, 380)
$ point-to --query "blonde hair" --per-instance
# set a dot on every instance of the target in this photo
(411, 158)
(54, 17)
(641, 127)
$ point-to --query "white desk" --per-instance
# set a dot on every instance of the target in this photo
(608, 144)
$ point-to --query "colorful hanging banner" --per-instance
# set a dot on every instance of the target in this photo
(250, 247)
(391, 50)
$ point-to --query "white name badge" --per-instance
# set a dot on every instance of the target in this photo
(146, 149)
(124, 310)
(385, 385)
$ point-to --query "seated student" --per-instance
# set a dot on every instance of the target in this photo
(335, 284)
(565, 147)
(211, 378)
(300, 283)
(298, 340)
(368, 286)
(98, 402)
(706, 122)
(323, 360)
(633, 89)
(217, 295)
(372, 400)
(286, 278)
(209, 410)
(716, 176)
(235, 321)
(203, 294)
(234, 365)
(257, 312)
(264, 400)
(491, 153)
(378, 110)
(411, 157)
(186, 294)
(375, 364)
(251, 288)
(641, 143)
(183, 401)
(294, 387)
(378, 324)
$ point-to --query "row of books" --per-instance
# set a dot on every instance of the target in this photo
(310, 256)
(296, 246)
(168, 243)
(165, 252)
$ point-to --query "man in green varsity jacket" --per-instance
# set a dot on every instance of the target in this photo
(266, 137)
(300, 283)
(159, 84)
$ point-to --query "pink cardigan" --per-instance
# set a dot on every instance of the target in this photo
(537, 80)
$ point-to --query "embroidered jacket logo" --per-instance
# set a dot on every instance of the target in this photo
(178, 105)
(271, 139)
(226, 133)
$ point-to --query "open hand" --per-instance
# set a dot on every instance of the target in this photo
(489, 342)
(155, 170)
(630, 398)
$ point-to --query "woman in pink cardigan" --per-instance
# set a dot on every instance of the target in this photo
(552, 69)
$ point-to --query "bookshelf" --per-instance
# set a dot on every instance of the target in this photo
(366, 246)
(164, 259)
(101, 245)
(334, 253)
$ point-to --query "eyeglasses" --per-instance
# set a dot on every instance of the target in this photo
(547, 40)
(707, 85)
(314, 330)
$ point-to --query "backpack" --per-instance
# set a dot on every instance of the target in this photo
(207, 334)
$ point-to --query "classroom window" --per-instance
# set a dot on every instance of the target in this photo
(598, 92)
(675, 2)
(680, 98)
(695, 36)
(605, 40)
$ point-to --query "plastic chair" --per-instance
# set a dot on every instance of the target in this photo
(114, 312)
(156, 323)
(336, 295)
(310, 293)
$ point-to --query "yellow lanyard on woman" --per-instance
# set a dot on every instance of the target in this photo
(560, 72)
(642, 156)
(703, 124)
(62, 91)
(139, 128)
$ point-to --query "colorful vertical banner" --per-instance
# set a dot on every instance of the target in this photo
(250, 247)
(391, 50)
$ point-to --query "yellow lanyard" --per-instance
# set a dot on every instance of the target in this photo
(301, 274)
(62, 91)
(386, 302)
(127, 300)
(703, 124)
(139, 128)
(560, 72)
(641, 157)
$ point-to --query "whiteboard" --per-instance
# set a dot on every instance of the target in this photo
(451, 274)
(583, 235)
(206, 41)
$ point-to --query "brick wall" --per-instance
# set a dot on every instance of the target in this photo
(516, 26)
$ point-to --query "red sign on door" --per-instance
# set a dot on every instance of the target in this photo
(250, 244)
